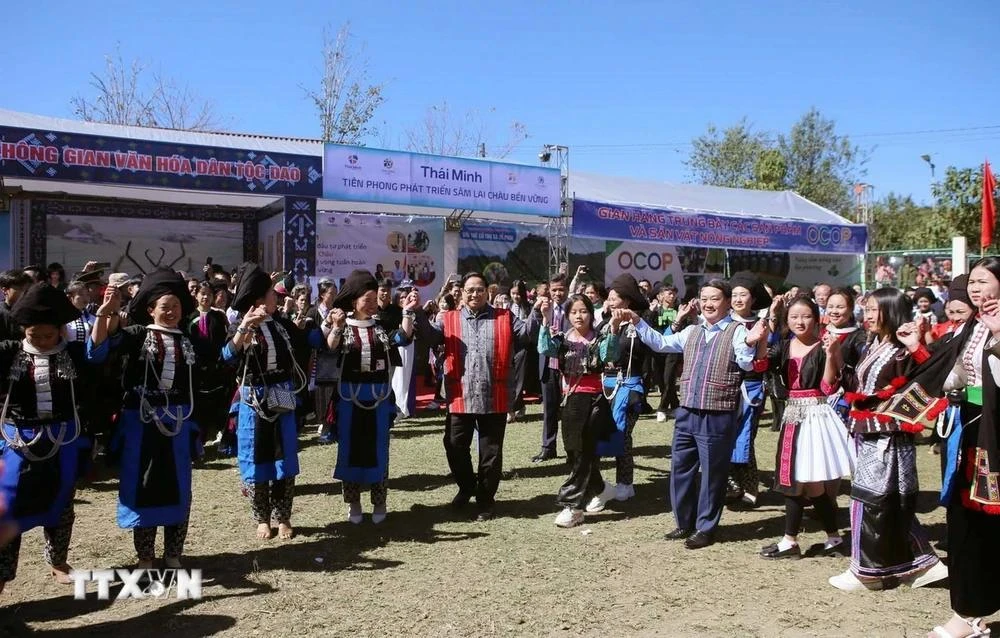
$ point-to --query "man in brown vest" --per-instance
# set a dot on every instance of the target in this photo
(716, 352)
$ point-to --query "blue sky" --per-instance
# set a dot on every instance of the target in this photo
(625, 85)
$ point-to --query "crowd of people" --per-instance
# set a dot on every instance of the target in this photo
(143, 372)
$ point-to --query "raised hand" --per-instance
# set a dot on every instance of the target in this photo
(755, 334)
(544, 305)
(989, 314)
(909, 335)
(412, 301)
(337, 318)
(112, 302)
(831, 344)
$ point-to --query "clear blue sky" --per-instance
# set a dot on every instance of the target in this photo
(625, 85)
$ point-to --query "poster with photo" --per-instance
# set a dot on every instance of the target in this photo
(392, 247)
(137, 245)
(680, 266)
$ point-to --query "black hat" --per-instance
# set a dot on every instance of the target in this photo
(921, 293)
(89, 277)
(358, 283)
(959, 290)
(628, 289)
(44, 304)
(156, 284)
(252, 285)
(748, 280)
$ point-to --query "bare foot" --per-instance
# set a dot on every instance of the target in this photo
(285, 531)
(172, 562)
(264, 531)
(61, 574)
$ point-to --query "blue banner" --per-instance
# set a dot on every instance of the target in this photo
(361, 174)
(706, 230)
(75, 157)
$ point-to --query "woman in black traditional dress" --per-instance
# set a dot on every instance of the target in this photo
(41, 448)
(156, 437)
(888, 544)
(263, 349)
(368, 351)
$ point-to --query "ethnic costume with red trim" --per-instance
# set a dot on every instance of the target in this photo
(970, 454)
(42, 446)
(887, 540)
(812, 442)
(586, 413)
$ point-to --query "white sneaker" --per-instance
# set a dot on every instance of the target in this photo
(378, 514)
(624, 492)
(569, 517)
(939, 571)
(354, 514)
(597, 503)
(661, 417)
(849, 582)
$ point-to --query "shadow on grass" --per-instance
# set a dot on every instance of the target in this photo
(165, 620)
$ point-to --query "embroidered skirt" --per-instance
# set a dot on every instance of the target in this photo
(812, 445)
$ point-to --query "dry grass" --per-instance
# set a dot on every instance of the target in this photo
(429, 571)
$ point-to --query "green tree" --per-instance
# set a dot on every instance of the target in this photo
(822, 165)
(729, 157)
(899, 223)
(812, 159)
(958, 200)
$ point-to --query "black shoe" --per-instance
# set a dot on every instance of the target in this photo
(543, 456)
(699, 540)
(485, 515)
(677, 534)
(771, 552)
(461, 500)
(840, 549)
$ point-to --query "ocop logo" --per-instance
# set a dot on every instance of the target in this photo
(826, 235)
(644, 261)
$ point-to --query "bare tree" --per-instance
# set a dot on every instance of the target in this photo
(442, 132)
(126, 94)
(345, 100)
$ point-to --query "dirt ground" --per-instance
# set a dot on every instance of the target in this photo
(429, 571)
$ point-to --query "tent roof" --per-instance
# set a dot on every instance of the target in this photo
(697, 198)
(291, 145)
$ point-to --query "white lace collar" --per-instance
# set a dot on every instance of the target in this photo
(157, 328)
(846, 330)
(30, 349)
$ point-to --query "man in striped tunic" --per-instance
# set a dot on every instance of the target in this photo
(479, 342)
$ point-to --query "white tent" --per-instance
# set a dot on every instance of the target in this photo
(698, 198)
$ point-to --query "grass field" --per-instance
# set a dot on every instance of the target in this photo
(430, 571)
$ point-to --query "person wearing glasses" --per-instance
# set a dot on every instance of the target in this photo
(479, 344)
